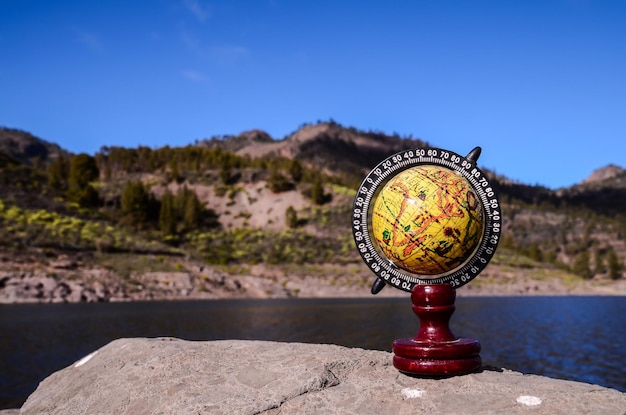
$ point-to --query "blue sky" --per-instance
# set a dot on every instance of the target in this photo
(540, 85)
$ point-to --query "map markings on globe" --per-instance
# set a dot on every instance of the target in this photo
(426, 216)
(427, 220)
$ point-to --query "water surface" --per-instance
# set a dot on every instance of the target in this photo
(576, 338)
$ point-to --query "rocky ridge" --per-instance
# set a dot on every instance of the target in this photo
(24, 147)
(604, 173)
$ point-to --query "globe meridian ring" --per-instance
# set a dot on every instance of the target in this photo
(479, 238)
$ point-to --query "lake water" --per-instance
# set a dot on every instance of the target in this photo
(576, 338)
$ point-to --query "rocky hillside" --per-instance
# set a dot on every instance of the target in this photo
(22, 147)
(327, 146)
(607, 175)
(130, 222)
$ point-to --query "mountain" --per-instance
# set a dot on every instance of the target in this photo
(607, 175)
(23, 147)
(327, 146)
(244, 200)
(604, 192)
(235, 143)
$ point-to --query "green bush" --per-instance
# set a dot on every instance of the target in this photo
(251, 246)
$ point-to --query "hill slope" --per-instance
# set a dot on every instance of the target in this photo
(157, 223)
(24, 148)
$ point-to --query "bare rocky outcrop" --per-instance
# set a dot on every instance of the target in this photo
(172, 376)
(194, 282)
(24, 147)
(330, 146)
(40, 287)
(604, 173)
(96, 285)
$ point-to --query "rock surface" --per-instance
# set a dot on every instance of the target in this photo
(172, 376)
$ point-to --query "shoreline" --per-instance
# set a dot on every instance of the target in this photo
(198, 282)
(323, 291)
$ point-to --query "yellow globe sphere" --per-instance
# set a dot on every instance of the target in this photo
(427, 220)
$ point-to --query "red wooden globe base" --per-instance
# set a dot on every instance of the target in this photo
(435, 351)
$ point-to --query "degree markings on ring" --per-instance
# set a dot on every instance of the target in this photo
(401, 161)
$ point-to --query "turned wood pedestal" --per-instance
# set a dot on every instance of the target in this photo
(435, 350)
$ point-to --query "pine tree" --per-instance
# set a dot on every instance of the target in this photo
(296, 171)
(180, 201)
(167, 214)
(58, 173)
(83, 170)
(225, 174)
(188, 209)
(175, 174)
(534, 252)
(291, 217)
(136, 204)
(614, 266)
(317, 192)
(191, 214)
(599, 267)
(277, 182)
(87, 197)
(581, 265)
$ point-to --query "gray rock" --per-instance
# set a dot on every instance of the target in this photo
(172, 376)
(32, 287)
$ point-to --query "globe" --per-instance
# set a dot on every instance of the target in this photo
(427, 220)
